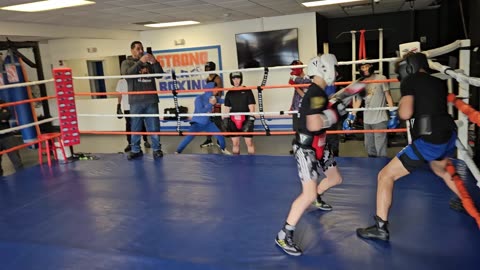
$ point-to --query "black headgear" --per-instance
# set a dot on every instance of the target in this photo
(401, 70)
(415, 62)
(236, 74)
(210, 66)
(370, 70)
(411, 65)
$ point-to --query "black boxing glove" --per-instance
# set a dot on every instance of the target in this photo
(226, 124)
(248, 124)
(119, 111)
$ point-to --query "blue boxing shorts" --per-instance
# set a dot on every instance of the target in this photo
(420, 152)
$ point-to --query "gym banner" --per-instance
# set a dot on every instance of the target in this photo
(187, 60)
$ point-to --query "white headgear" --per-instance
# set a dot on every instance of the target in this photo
(323, 66)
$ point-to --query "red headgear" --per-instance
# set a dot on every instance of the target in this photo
(296, 71)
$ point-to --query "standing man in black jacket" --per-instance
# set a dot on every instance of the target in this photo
(142, 63)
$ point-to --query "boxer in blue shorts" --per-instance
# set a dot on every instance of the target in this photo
(317, 168)
(424, 104)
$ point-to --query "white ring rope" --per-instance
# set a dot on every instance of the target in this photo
(468, 161)
(7, 86)
(444, 49)
(3, 131)
(186, 114)
(371, 109)
(365, 61)
(122, 76)
(460, 77)
(434, 65)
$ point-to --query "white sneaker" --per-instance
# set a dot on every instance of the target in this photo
(226, 152)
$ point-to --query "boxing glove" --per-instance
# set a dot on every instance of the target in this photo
(119, 111)
(347, 94)
(348, 123)
(226, 124)
(330, 90)
(248, 124)
(338, 106)
(393, 122)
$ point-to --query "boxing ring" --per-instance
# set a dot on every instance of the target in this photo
(222, 212)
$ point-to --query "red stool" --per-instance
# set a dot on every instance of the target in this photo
(49, 139)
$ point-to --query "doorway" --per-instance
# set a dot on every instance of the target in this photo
(95, 68)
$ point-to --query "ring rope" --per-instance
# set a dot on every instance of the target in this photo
(7, 86)
(186, 114)
(25, 145)
(186, 91)
(175, 101)
(472, 114)
(260, 101)
(3, 131)
(257, 133)
(467, 201)
(8, 104)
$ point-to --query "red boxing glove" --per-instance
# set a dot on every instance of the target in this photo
(291, 81)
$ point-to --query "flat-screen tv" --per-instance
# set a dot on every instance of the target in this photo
(267, 49)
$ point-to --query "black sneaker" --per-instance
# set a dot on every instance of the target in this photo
(127, 149)
(287, 244)
(378, 231)
(207, 143)
(133, 155)
(157, 154)
(322, 205)
(147, 145)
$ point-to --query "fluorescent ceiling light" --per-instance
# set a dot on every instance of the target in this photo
(327, 2)
(47, 5)
(170, 24)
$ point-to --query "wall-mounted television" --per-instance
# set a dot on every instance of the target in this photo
(267, 49)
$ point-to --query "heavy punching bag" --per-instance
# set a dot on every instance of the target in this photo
(23, 112)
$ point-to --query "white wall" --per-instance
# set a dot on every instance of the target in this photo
(74, 52)
(224, 35)
(79, 67)
(74, 49)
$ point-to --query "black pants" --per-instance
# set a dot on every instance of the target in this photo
(6, 143)
(218, 122)
(128, 128)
